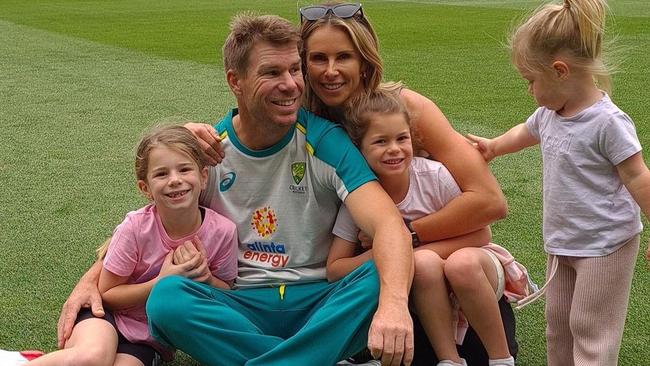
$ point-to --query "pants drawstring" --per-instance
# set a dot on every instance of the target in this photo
(536, 295)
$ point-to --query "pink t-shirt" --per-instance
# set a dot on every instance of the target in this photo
(138, 249)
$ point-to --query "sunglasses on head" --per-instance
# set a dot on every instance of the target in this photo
(342, 11)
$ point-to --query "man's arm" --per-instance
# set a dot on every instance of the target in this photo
(391, 331)
(85, 294)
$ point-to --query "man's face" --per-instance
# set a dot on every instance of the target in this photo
(272, 88)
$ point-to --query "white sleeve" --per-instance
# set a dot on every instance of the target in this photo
(344, 227)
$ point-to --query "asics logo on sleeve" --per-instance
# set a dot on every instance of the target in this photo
(227, 181)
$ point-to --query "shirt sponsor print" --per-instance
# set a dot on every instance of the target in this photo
(264, 223)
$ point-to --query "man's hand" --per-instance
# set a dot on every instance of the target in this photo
(391, 335)
(208, 140)
(84, 295)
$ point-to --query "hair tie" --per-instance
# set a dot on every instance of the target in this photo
(566, 5)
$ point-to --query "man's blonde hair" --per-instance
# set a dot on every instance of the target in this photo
(246, 29)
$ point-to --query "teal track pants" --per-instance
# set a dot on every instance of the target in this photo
(316, 323)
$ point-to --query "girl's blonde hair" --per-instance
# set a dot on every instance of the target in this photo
(361, 109)
(171, 136)
(365, 42)
(574, 29)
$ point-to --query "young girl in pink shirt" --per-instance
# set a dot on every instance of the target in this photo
(171, 235)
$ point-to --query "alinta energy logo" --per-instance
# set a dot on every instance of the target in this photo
(264, 222)
(298, 173)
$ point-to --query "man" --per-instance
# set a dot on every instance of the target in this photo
(284, 175)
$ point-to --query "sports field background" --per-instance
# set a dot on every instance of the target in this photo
(81, 80)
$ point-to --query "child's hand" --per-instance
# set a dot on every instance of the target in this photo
(193, 257)
(483, 145)
(365, 239)
(203, 272)
(647, 254)
(184, 252)
(193, 268)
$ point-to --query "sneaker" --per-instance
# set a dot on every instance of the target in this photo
(452, 363)
(510, 361)
(368, 363)
(15, 358)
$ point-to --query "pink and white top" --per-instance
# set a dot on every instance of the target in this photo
(138, 249)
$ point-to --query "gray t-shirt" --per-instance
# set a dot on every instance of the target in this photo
(284, 199)
(588, 212)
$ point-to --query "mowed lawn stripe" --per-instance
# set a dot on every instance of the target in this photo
(83, 79)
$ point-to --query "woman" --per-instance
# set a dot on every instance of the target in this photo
(341, 62)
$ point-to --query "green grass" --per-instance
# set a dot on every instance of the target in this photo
(81, 80)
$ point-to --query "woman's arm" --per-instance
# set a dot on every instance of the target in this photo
(445, 247)
(341, 259)
(481, 202)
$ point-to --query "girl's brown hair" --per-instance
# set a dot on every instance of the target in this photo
(360, 110)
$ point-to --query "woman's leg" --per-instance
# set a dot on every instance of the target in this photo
(431, 300)
(93, 343)
(472, 274)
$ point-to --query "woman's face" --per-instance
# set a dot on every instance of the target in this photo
(333, 65)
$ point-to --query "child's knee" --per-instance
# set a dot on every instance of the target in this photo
(90, 355)
(429, 267)
(463, 269)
